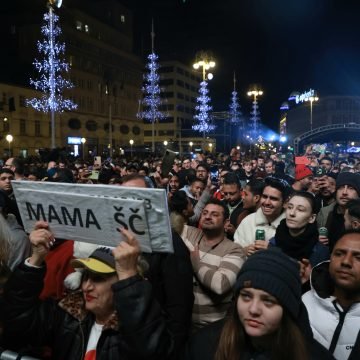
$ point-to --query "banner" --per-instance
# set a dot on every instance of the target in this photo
(95, 213)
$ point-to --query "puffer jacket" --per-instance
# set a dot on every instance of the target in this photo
(335, 328)
(136, 330)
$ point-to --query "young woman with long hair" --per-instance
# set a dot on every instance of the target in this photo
(264, 323)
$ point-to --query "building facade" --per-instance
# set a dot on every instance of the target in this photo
(106, 74)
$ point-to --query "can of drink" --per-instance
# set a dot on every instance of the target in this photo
(323, 231)
(260, 234)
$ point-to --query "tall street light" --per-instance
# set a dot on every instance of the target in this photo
(131, 142)
(191, 145)
(83, 141)
(9, 138)
(205, 62)
(311, 99)
(255, 118)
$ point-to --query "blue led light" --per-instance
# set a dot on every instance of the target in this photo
(151, 101)
(51, 82)
(203, 108)
(235, 113)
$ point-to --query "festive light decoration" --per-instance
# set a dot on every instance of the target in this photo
(151, 101)
(235, 113)
(203, 108)
(255, 126)
(51, 82)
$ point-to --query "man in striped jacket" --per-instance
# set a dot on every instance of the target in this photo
(216, 262)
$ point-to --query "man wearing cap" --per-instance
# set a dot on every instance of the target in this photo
(332, 216)
(333, 303)
(303, 178)
(112, 316)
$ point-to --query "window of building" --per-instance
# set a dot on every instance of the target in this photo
(180, 96)
(136, 130)
(6, 126)
(74, 124)
(166, 82)
(22, 101)
(107, 127)
(180, 83)
(168, 120)
(91, 125)
(22, 127)
(166, 69)
(124, 129)
(180, 71)
(167, 94)
(149, 133)
(37, 128)
(166, 132)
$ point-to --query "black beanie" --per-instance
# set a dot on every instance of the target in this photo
(277, 274)
(349, 178)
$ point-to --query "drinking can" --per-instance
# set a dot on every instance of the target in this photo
(260, 234)
(323, 231)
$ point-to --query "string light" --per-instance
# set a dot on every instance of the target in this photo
(51, 83)
(202, 117)
(151, 90)
(235, 113)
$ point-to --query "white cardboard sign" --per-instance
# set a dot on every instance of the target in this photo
(94, 213)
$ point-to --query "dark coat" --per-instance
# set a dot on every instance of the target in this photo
(203, 345)
(137, 329)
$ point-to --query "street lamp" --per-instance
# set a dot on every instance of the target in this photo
(210, 146)
(311, 99)
(131, 142)
(205, 62)
(254, 94)
(83, 141)
(9, 138)
(165, 143)
(191, 145)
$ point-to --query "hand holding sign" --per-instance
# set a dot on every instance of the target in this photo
(41, 239)
(126, 255)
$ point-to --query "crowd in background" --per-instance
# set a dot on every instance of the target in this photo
(266, 262)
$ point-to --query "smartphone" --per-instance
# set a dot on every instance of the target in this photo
(167, 163)
(97, 161)
(320, 171)
(94, 175)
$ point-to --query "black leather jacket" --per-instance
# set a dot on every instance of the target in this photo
(137, 329)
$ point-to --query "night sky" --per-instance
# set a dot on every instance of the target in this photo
(282, 45)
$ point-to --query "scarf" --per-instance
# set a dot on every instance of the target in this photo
(298, 247)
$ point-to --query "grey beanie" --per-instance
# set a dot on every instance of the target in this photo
(276, 273)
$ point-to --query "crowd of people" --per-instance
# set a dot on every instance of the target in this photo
(266, 263)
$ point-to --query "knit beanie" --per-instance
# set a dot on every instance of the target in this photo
(277, 274)
(349, 178)
(302, 171)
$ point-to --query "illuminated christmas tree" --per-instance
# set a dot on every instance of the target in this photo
(235, 115)
(50, 68)
(151, 101)
(203, 118)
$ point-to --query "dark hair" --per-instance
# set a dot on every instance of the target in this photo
(256, 186)
(192, 180)
(214, 201)
(6, 171)
(279, 184)
(353, 207)
(203, 165)
(232, 179)
(145, 169)
(289, 342)
(326, 158)
(178, 202)
(19, 165)
(308, 196)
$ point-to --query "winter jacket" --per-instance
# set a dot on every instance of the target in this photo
(136, 330)
(245, 233)
(203, 345)
(334, 328)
